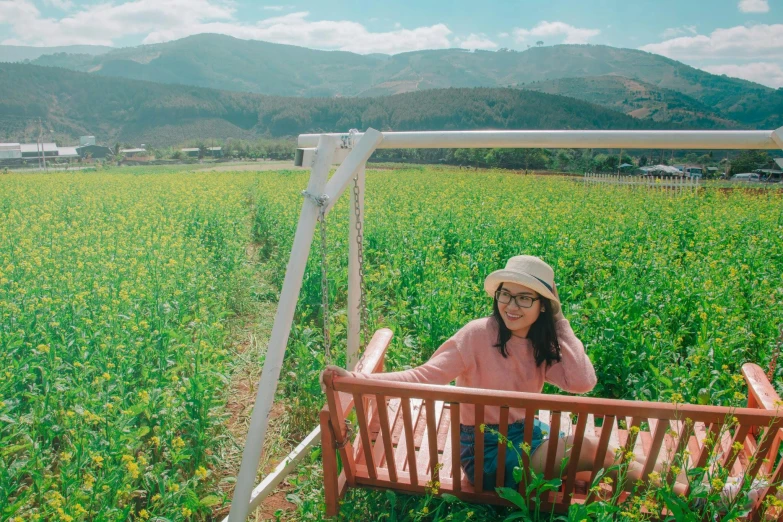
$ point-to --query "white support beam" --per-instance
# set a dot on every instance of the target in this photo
(278, 339)
(286, 466)
(354, 280)
(361, 152)
(777, 137)
(574, 139)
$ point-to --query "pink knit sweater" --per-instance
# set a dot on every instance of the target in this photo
(470, 359)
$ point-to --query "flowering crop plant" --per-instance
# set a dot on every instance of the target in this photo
(114, 289)
(117, 289)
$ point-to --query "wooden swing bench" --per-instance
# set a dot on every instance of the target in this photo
(406, 429)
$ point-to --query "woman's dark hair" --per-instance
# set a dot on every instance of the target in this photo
(542, 334)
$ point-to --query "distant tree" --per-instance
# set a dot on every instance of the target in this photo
(539, 43)
(750, 160)
(642, 160)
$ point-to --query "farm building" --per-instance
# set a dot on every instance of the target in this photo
(67, 153)
(10, 151)
(95, 151)
(193, 152)
(134, 153)
(33, 150)
(85, 141)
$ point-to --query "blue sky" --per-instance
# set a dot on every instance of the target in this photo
(742, 38)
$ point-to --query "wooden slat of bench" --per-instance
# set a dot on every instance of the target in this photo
(702, 433)
(444, 430)
(530, 415)
(478, 468)
(767, 442)
(364, 433)
(573, 460)
(551, 455)
(423, 460)
(386, 442)
(406, 450)
(603, 445)
(392, 412)
(739, 436)
(432, 437)
(659, 432)
(456, 474)
(502, 448)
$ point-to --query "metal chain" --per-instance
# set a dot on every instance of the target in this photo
(360, 251)
(321, 201)
(775, 354)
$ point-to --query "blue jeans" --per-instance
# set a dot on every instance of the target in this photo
(516, 435)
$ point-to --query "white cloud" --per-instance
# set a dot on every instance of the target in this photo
(573, 35)
(101, 24)
(477, 41)
(739, 42)
(277, 7)
(65, 5)
(502, 35)
(754, 6)
(764, 73)
(672, 32)
(165, 20)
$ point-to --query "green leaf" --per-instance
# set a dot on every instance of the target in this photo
(513, 496)
(211, 501)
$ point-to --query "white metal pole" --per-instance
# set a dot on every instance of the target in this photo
(354, 281)
(278, 339)
(575, 139)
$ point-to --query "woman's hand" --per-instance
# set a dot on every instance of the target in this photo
(559, 309)
(335, 371)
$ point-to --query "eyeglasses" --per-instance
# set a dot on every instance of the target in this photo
(522, 301)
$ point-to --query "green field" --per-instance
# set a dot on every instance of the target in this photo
(120, 292)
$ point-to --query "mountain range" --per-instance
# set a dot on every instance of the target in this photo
(639, 83)
(229, 86)
(73, 103)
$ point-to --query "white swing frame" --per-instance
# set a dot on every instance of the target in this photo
(351, 151)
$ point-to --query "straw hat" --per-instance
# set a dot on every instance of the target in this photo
(528, 271)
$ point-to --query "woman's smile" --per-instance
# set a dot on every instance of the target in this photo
(513, 316)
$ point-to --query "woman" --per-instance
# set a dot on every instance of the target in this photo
(526, 342)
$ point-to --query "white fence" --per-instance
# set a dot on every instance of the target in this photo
(669, 184)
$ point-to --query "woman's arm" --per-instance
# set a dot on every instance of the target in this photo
(574, 373)
(443, 367)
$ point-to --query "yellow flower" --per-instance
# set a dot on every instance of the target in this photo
(178, 443)
(201, 472)
(98, 461)
(43, 348)
(186, 512)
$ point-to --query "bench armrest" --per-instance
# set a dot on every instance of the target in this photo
(375, 354)
(371, 362)
(761, 394)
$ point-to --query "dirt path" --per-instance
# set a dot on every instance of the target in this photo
(250, 335)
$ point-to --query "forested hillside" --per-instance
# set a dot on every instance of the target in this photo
(638, 99)
(72, 103)
(223, 62)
